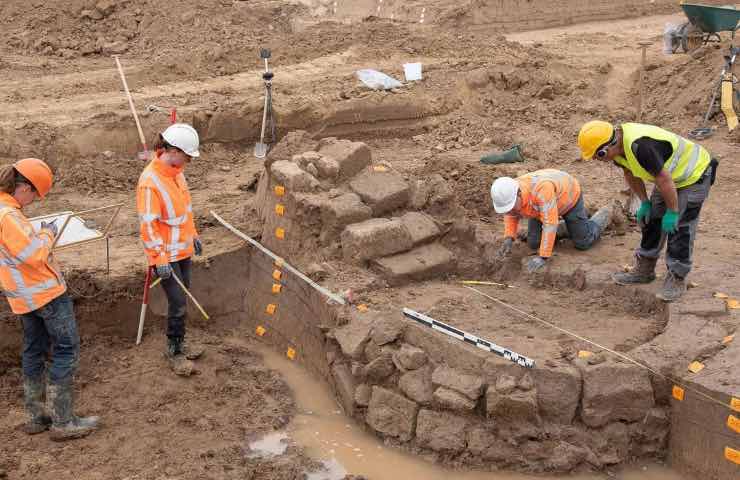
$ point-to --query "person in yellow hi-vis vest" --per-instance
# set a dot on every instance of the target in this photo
(682, 171)
(36, 291)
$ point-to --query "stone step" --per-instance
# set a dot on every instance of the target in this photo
(421, 263)
(374, 238)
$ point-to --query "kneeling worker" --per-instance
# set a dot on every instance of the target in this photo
(683, 172)
(543, 197)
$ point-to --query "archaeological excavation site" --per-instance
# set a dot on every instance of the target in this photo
(358, 318)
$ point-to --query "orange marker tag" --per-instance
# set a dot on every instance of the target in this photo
(276, 287)
(584, 354)
(279, 209)
(732, 455)
(678, 393)
(276, 274)
(728, 339)
(380, 168)
(696, 367)
(260, 330)
(734, 423)
(290, 353)
(362, 307)
(735, 404)
(271, 309)
(279, 190)
(280, 233)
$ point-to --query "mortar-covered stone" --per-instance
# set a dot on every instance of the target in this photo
(441, 431)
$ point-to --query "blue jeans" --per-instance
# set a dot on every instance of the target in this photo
(582, 231)
(51, 327)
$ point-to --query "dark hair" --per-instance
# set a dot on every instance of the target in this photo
(10, 178)
(161, 144)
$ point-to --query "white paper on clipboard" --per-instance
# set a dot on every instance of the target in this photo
(75, 232)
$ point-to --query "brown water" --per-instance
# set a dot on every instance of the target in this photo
(326, 434)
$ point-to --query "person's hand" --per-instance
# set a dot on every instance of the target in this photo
(164, 271)
(197, 247)
(643, 213)
(51, 226)
(536, 264)
(505, 249)
(669, 224)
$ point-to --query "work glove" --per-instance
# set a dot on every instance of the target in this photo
(505, 249)
(643, 213)
(164, 271)
(51, 226)
(670, 221)
(198, 247)
(536, 264)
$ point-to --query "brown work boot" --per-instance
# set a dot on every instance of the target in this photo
(673, 288)
(192, 351)
(176, 357)
(65, 424)
(642, 272)
(33, 391)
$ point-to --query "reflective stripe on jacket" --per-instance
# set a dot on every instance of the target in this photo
(165, 211)
(686, 165)
(546, 195)
(28, 275)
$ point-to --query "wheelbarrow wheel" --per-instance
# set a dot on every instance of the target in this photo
(691, 37)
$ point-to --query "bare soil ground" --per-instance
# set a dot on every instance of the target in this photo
(61, 100)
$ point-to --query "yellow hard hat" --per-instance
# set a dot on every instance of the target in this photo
(594, 134)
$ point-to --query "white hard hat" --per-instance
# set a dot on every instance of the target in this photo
(503, 194)
(184, 137)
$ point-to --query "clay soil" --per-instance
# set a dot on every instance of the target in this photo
(60, 99)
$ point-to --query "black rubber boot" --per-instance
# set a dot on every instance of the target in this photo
(643, 272)
(65, 424)
(38, 420)
(673, 288)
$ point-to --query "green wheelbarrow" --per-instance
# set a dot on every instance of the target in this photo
(705, 23)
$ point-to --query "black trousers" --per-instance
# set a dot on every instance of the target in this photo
(177, 306)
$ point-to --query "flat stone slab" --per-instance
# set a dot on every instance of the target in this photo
(351, 157)
(374, 238)
(468, 385)
(392, 414)
(421, 263)
(613, 391)
(344, 210)
(421, 226)
(292, 177)
(383, 191)
(353, 337)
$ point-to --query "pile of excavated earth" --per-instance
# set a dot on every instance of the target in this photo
(379, 197)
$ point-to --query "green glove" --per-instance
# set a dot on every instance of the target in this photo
(670, 221)
(643, 213)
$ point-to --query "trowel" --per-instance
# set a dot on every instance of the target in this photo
(261, 148)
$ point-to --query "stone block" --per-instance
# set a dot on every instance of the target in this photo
(362, 395)
(483, 442)
(352, 157)
(613, 391)
(392, 414)
(441, 431)
(565, 457)
(383, 191)
(327, 167)
(386, 330)
(353, 337)
(515, 407)
(505, 384)
(409, 357)
(469, 385)
(374, 238)
(558, 393)
(450, 399)
(292, 177)
(305, 158)
(345, 387)
(424, 262)
(344, 210)
(417, 385)
(380, 368)
(421, 226)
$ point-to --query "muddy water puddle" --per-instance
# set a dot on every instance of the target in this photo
(343, 447)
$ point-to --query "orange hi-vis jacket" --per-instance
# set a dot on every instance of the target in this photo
(546, 195)
(28, 275)
(165, 213)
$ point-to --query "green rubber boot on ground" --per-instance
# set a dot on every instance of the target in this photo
(65, 424)
(643, 272)
(673, 288)
(33, 391)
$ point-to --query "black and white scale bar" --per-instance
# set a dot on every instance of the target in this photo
(520, 360)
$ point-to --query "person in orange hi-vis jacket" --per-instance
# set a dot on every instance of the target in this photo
(168, 230)
(543, 197)
(36, 291)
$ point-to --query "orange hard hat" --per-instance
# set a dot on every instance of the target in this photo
(37, 172)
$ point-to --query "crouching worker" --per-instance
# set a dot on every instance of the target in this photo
(543, 197)
(35, 289)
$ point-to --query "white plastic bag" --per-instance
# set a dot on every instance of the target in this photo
(377, 80)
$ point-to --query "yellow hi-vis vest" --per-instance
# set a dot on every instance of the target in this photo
(686, 165)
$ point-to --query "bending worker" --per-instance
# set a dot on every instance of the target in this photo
(543, 197)
(168, 231)
(682, 171)
(35, 289)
